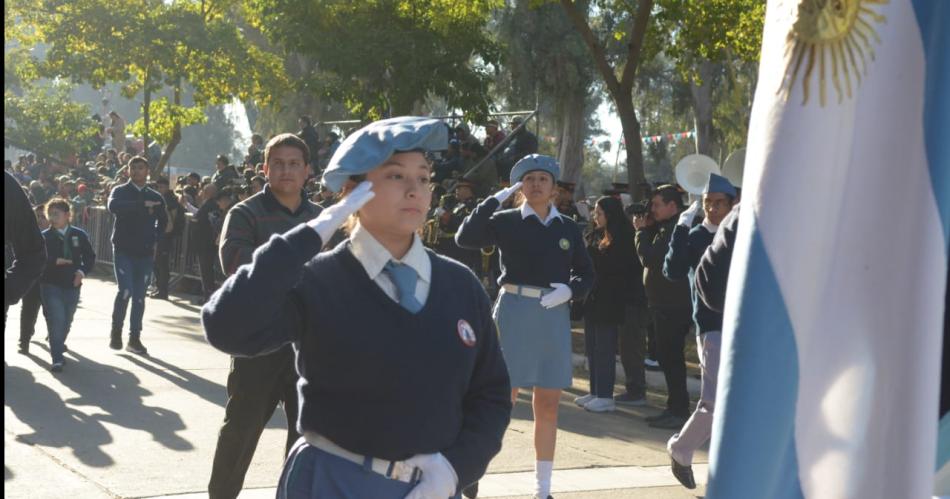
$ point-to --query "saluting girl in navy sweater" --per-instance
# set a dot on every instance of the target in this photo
(403, 389)
(544, 265)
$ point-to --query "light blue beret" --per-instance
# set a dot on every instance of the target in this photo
(534, 162)
(368, 147)
(718, 183)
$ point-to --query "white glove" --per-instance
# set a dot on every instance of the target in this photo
(560, 294)
(686, 218)
(333, 217)
(439, 479)
(505, 193)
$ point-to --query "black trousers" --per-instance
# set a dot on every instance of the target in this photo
(672, 327)
(29, 312)
(632, 344)
(163, 264)
(255, 387)
(206, 257)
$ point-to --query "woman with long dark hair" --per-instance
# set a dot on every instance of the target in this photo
(612, 250)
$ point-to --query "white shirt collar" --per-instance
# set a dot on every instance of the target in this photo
(374, 256)
(62, 231)
(527, 211)
(710, 227)
(137, 186)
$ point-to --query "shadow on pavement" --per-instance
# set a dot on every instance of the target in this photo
(208, 390)
(118, 393)
(54, 423)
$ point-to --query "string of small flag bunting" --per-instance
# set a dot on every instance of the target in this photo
(651, 139)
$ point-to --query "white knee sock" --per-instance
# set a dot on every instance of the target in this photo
(542, 474)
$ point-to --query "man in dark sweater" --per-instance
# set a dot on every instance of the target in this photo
(682, 259)
(669, 303)
(24, 247)
(140, 220)
(256, 385)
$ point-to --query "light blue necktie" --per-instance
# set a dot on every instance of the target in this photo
(404, 277)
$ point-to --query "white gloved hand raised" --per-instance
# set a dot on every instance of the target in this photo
(439, 479)
(686, 218)
(333, 217)
(560, 294)
(505, 193)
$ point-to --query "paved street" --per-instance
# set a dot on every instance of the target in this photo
(114, 424)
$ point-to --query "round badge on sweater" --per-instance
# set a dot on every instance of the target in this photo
(564, 244)
(466, 333)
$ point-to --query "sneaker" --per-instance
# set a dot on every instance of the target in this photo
(115, 342)
(651, 365)
(24, 347)
(670, 422)
(628, 399)
(57, 367)
(582, 401)
(600, 405)
(135, 346)
(657, 417)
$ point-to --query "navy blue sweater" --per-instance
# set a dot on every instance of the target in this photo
(712, 274)
(136, 229)
(374, 378)
(80, 252)
(531, 253)
(686, 249)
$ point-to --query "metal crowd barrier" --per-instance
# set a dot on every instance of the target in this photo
(183, 262)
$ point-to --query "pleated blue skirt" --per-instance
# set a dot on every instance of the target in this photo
(535, 341)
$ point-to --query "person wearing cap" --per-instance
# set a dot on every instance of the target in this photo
(256, 386)
(687, 246)
(403, 390)
(451, 219)
(668, 302)
(544, 264)
(522, 144)
(493, 135)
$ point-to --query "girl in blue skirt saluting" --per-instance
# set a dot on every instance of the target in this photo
(403, 390)
(544, 265)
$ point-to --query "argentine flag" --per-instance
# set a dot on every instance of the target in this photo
(834, 314)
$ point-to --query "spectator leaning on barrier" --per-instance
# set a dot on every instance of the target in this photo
(256, 385)
(173, 230)
(140, 220)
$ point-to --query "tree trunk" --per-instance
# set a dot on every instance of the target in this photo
(703, 107)
(573, 130)
(631, 136)
(175, 140)
(146, 104)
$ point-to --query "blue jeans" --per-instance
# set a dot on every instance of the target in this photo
(59, 306)
(132, 273)
(600, 345)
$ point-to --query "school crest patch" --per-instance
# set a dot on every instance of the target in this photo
(564, 244)
(466, 333)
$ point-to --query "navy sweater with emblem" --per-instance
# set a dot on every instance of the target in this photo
(686, 249)
(374, 378)
(75, 246)
(531, 253)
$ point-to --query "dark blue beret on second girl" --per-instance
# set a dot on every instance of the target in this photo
(368, 147)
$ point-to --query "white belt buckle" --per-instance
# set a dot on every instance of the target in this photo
(402, 472)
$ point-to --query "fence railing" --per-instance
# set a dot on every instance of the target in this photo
(183, 262)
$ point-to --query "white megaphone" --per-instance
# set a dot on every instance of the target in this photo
(692, 172)
(734, 166)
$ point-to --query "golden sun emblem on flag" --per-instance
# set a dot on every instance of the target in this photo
(835, 33)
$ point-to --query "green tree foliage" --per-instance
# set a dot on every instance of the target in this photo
(46, 121)
(385, 57)
(150, 46)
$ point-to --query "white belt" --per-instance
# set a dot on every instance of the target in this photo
(529, 291)
(395, 470)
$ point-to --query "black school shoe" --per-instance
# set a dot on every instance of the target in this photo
(135, 346)
(683, 473)
(670, 422)
(471, 492)
(666, 413)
